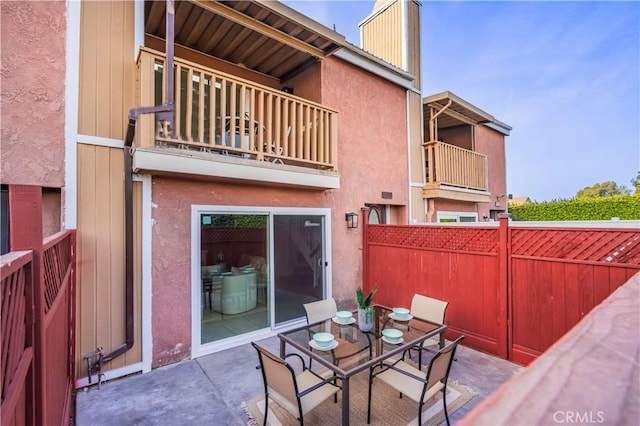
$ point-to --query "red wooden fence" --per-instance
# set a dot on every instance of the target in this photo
(17, 384)
(512, 290)
(558, 275)
(233, 242)
(37, 317)
(57, 351)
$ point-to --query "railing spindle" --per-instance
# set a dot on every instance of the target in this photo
(212, 109)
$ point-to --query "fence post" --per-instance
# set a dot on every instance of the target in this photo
(72, 309)
(25, 222)
(504, 291)
(364, 211)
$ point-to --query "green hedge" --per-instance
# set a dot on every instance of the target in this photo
(624, 207)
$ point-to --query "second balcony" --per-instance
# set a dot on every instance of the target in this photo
(229, 127)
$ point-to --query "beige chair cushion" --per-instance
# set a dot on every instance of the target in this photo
(311, 400)
(280, 384)
(408, 386)
(428, 308)
(320, 310)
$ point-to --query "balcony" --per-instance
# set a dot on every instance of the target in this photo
(455, 173)
(229, 127)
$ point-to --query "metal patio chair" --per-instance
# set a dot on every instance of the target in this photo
(415, 383)
(325, 310)
(429, 309)
(298, 394)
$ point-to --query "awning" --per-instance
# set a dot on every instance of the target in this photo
(455, 110)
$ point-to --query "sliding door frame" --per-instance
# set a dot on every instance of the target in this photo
(197, 348)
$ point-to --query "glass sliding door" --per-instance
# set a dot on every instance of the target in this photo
(299, 264)
(253, 269)
(233, 275)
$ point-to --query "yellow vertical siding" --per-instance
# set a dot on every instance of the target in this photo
(101, 287)
(413, 41)
(106, 94)
(107, 68)
(415, 147)
(382, 35)
(415, 131)
(417, 205)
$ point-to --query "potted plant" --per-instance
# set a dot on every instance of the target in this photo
(365, 310)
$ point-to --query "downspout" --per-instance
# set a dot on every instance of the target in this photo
(165, 114)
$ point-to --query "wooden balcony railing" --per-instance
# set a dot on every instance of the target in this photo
(223, 114)
(450, 165)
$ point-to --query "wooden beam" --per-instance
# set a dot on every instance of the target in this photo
(258, 26)
(448, 111)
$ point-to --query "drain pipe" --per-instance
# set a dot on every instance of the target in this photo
(165, 115)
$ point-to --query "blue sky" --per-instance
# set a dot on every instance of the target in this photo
(564, 75)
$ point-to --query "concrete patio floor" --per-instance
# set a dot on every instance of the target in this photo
(211, 389)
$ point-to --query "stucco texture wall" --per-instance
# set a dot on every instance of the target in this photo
(372, 149)
(491, 143)
(445, 205)
(373, 157)
(459, 136)
(171, 249)
(32, 105)
(307, 83)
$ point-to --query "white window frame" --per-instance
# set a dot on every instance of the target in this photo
(455, 215)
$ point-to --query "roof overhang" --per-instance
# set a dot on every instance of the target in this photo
(265, 36)
(454, 110)
(375, 65)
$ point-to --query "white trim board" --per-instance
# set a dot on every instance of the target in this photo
(71, 95)
(147, 282)
(100, 141)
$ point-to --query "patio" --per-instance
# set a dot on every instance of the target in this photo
(211, 389)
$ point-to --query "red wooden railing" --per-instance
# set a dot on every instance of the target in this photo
(58, 346)
(17, 386)
(512, 290)
(38, 317)
(30, 344)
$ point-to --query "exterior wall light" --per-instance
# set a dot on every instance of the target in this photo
(352, 219)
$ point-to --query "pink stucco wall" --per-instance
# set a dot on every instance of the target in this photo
(459, 136)
(372, 158)
(491, 143)
(307, 84)
(32, 108)
(51, 211)
(172, 199)
(446, 205)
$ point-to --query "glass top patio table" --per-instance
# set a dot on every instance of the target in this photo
(358, 350)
